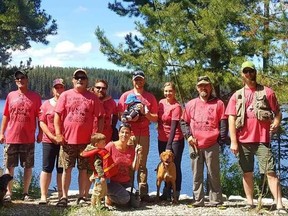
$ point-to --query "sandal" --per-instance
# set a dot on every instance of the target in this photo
(63, 202)
(282, 211)
(7, 198)
(43, 202)
(26, 197)
(249, 207)
(81, 201)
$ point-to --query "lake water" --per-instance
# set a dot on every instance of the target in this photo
(153, 160)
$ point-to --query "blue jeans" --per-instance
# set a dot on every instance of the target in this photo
(117, 192)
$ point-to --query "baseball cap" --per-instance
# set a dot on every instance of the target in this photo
(138, 73)
(58, 81)
(132, 98)
(248, 64)
(19, 72)
(203, 80)
(80, 71)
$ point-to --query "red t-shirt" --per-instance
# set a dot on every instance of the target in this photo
(80, 112)
(47, 116)
(204, 119)
(22, 111)
(166, 113)
(123, 161)
(253, 131)
(110, 108)
(141, 126)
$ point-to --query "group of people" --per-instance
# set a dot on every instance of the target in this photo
(80, 125)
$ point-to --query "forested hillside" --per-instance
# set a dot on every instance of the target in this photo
(40, 80)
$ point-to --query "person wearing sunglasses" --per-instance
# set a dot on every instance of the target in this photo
(19, 122)
(254, 115)
(204, 125)
(77, 116)
(140, 128)
(110, 108)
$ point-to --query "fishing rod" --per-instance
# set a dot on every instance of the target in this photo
(194, 149)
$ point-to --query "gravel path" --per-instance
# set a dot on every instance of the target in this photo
(235, 206)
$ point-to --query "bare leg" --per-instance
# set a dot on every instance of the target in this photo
(66, 180)
(248, 186)
(27, 179)
(59, 184)
(45, 179)
(275, 188)
(10, 171)
(82, 180)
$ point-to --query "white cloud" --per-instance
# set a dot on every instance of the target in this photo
(62, 54)
(67, 47)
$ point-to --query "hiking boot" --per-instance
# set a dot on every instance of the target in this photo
(146, 198)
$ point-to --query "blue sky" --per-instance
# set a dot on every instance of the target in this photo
(76, 45)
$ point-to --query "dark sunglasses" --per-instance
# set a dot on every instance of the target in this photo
(20, 77)
(80, 77)
(99, 87)
(248, 71)
(203, 78)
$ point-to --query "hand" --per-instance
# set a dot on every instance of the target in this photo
(2, 138)
(138, 149)
(273, 127)
(234, 148)
(192, 141)
(141, 108)
(60, 139)
(39, 137)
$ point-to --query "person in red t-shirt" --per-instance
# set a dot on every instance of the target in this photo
(77, 117)
(170, 136)
(19, 121)
(253, 137)
(204, 123)
(126, 158)
(50, 147)
(110, 109)
(140, 128)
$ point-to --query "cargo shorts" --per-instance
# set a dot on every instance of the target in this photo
(264, 155)
(23, 152)
(70, 153)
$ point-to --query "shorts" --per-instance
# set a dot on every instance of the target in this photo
(50, 156)
(69, 154)
(99, 189)
(23, 152)
(263, 153)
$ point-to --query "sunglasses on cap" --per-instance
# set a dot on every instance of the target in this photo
(124, 124)
(80, 77)
(245, 71)
(20, 77)
(205, 78)
(100, 87)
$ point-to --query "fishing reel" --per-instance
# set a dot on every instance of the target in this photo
(194, 155)
(194, 152)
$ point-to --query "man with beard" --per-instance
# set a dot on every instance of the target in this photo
(254, 114)
(110, 109)
(77, 114)
(203, 125)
